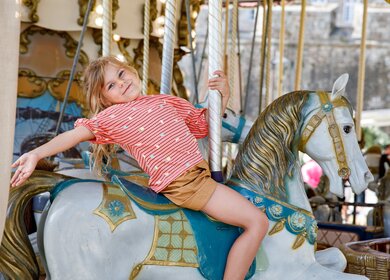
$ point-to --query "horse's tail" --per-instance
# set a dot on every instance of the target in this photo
(17, 258)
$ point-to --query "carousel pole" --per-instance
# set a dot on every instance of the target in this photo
(300, 46)
(9, 62)
(215, 102)
(168, 47)
(245, 110)
(281, 46)
(362, 73)
(191, 42)
(107, 27)
(73, 70)
(232, 77)
(269, 46)
(233, 54)
(262, 54)
(145, 66)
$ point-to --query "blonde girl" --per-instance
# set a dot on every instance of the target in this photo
(160, 132)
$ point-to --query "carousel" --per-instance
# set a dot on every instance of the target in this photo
(66, 222)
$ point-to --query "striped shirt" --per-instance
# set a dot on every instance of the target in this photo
(159, 131)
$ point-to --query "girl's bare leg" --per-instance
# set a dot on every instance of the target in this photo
(228, 206)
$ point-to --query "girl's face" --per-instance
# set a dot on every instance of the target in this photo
(120, 85)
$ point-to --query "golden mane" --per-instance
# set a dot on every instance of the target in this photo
(266, 155)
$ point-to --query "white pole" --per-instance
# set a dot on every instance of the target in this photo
(215, 103)
(168, 47)
(361, 73)
(107, 27)
(9, 63)
(145, 66)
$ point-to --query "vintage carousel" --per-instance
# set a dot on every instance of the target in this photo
(114, 227)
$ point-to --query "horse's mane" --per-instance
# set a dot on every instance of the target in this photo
(266, 155)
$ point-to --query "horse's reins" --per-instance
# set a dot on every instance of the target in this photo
(326, 110)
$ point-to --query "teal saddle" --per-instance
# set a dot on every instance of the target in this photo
(214, 239)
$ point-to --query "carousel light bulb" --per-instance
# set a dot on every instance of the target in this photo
(160, 32)
(163, 1)
(99, 21)
(194, 14)
(160, 20)
(193, 33)
(116, 37)
(120, 57)
(99, 9)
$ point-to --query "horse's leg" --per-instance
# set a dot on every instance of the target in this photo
(228, 206)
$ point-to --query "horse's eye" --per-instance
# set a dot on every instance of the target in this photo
(224, 116)
(347, 129)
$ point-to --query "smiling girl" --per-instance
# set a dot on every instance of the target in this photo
(160, 132)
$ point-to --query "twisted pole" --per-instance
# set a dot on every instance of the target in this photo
(189, 30)
(361, 73)
(233, 53)
(215, 102)
(168, 47)
(281, 46)
(107, 27)
(269, 45)
(300, 46)
(145, 65)
(251, 58)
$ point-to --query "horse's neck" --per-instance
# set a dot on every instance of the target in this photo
(296, 191)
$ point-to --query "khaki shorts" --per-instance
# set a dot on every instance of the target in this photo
(193, 189)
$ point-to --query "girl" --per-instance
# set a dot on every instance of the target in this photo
(160, 132)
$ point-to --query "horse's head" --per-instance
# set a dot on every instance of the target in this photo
(328, 136)
(234, 127)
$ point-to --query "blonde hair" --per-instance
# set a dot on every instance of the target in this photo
(93, 87)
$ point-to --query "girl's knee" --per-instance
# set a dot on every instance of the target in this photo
(258, 223)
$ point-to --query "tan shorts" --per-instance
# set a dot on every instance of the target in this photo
(193, 189)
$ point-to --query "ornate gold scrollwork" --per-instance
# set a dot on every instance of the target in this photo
(32, 5)
(83, 4)
(30, 85)
(97, 36)
(122, 45)
(57, 88)
(70, 44)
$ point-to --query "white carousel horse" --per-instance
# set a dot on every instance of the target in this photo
(92, 231)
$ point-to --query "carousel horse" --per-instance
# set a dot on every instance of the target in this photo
(122, 230)
(382, 190)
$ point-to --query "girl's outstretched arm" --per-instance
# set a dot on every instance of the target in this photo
(27, 162)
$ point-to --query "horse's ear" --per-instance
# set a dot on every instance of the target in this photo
(339, 86)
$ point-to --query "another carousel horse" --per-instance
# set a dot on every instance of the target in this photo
(382, 190)
(93, 231)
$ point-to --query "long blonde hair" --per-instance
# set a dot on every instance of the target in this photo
(93, 88)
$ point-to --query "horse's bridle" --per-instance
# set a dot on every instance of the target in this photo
(326, 110)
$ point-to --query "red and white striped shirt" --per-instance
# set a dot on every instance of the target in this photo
(159, 131)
